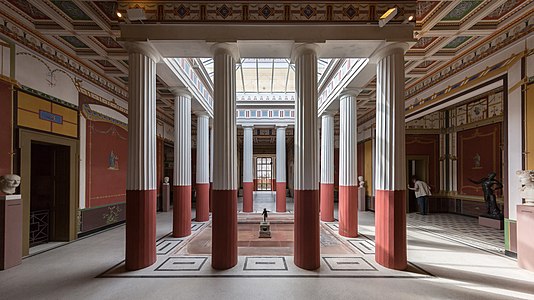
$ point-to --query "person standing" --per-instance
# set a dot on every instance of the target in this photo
(422, 191)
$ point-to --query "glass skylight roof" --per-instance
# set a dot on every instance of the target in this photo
(265, 75)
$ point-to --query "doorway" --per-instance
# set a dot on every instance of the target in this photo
(56, 187)
(417, 166)
(264, 173)
(49, 193)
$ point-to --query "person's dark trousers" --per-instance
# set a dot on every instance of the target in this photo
(421, 201)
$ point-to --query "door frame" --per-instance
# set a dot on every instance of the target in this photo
(426, 159)
(26, 137)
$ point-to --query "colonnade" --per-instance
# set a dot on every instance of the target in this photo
(313, 165)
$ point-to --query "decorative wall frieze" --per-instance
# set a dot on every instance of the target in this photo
(33, 41)
(111, 103)
(260, 12)
(96, 116)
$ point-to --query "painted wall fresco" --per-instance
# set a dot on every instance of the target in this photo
(426, 145)
(479, 153)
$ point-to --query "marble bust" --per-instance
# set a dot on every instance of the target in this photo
(8, 183)
(526, 178)
(361, 182)
(165, 180)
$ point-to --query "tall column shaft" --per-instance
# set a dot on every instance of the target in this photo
(306, 247)
(203, 172)
(211, 167)
(224, 206)
(348, 169)
(327, 168)
(182, 164)
(248, 180)
(390, 167)
(141, 175)
(281, 168)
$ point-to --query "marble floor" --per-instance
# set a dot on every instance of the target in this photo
(443, 265)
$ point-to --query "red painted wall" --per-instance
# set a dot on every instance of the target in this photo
(483, 142)
(106, 183)
(426, 145)
(6, 129)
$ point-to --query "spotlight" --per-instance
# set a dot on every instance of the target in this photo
(387, 16)
(410, 18)
(119, 14)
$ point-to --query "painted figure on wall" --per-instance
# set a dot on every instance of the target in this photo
(113, 161)
(489, 185)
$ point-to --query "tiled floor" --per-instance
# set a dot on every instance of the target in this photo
(444, 264)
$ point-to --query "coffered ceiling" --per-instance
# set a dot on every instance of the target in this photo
(88, 31)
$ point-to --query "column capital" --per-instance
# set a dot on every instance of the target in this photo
(303, 49)
(328, 114)
(144, 48)
(350, 92)
(226, 48)
(180, 92)
(247, 127)
(201, 114)
(387, 50)
(281, 126)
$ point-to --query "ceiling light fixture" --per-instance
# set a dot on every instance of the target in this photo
(119, 14)
(387, 16)
(410, 18)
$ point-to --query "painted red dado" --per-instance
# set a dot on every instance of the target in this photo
(224, 229)
(141, 229)
(248, 195)
(390, 229)
(106, 159)
(348, 211)
(281, 197)
(6, 128)
(327, 202)
(202, 208)
(181, 212)
(306, 235)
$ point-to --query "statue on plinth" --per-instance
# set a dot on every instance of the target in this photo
(265, 227)
(526, 178)
(488, 183)
(264, 214)
(361, 182)
(9, 183)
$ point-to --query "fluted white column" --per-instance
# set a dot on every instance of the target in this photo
(390, 164)
(182, 163)
(248, 179)
(141, 175)
(224, 206)
(327, 167)
(306, 247)
(348, 168)
(203, 172)
(211, 166)
(281, 168)
(182, 137)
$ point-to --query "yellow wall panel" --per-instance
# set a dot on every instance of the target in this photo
(31, 120)
(68, 114)
(32, 103)
(65, 129)
(529, 128)
(368, 167)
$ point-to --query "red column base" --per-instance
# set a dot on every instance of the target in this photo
(248, 195)
(348, 211)
(327, 202)
(181, 212)
(202, 206)
(211, 194)
(224, 229)
(306, 252)
(281, 197)
(390, 224)
(140, 229)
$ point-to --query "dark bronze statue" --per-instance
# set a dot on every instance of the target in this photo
(264, 213)
(488, 188)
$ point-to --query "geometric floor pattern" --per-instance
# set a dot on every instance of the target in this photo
(459, 228)
(359, 263)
